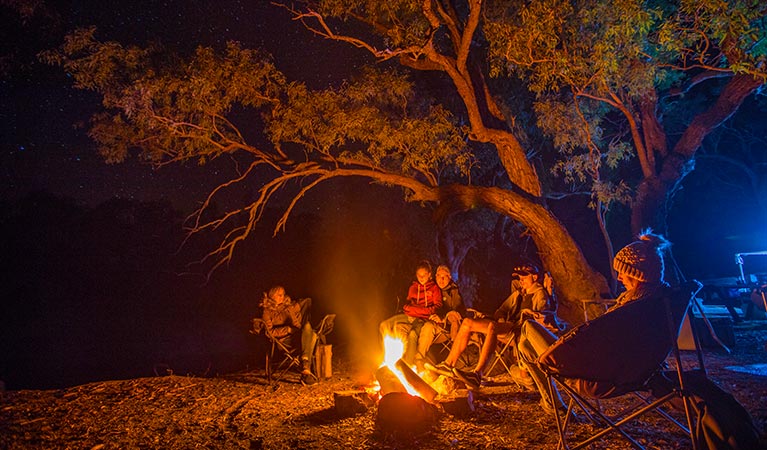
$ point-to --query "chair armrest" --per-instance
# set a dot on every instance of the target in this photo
(258, 326)
(477, 314)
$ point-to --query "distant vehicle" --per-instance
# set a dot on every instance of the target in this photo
(733, 292)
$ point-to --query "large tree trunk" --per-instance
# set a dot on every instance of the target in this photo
(575, 279)
(649, 205)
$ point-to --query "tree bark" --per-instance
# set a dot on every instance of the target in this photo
(560, 254)
(649, 208)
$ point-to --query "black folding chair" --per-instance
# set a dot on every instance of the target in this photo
(618, 354)
(277, 346)
(280, 346)
(325, 327)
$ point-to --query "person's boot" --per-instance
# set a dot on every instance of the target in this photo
(542, 383)
(307, 377)
(522, 378)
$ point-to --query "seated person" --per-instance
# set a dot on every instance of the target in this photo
(289, 321)
(424, 298)
(640, 269)
(444, 324)
(530, 299)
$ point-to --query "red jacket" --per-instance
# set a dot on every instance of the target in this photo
(423, 300)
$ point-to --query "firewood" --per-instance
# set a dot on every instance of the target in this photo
(351, 402)
(459, 404)
(388, 381)
(424, 390)
(401, 413)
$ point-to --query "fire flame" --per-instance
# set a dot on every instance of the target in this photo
(393, 351)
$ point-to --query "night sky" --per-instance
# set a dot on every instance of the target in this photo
(44, 119)
(43, 124)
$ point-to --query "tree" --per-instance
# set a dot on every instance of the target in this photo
(598, 79)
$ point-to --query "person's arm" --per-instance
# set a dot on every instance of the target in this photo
(541, 300)
(274, 321)
(508, 305)
(294, 314)
(460, 307)
(426, 306)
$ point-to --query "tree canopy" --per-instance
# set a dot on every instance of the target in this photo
(614, 97)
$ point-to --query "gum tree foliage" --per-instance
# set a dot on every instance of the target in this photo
(609, 84)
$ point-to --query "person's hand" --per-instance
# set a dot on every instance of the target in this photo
(435, 318)
(529, 313)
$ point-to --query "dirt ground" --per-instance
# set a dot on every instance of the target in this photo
(242, 410)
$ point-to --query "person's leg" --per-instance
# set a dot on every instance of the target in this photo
(461, 340)
(411, 340)
(534, 340)
(429, 332)
(492, 331)
(308, 342)
(453, 323)
(305, 307)
(388, 327)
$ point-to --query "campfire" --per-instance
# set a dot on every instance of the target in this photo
(407, 401)
(395, 375)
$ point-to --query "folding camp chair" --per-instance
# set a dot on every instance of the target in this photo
(618, 354)
(505, 352)
(281, 346)
(325, 327)
(278, 345)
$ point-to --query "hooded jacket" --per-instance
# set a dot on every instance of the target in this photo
(423, 300)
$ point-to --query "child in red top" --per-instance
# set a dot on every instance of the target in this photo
(424, 298)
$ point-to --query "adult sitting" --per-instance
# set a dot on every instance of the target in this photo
(446, 321)
(288, 321)
(530, 299)
(424, 298)
(639, 266)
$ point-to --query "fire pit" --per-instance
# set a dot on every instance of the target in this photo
(408, 402)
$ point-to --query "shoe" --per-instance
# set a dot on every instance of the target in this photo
(308, 378)
(441, 368)
(522, 378)
(472, 380)
(546, 406)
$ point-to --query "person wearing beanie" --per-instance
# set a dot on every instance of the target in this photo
(639, 266)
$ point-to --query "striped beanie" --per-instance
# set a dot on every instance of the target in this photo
(642, 259)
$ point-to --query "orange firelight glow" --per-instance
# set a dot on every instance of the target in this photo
(393, 351)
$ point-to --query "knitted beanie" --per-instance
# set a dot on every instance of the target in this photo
(642, 259)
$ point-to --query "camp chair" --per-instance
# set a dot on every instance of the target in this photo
(618, 354)
(325, 328)
(505, 352)
(280, 346)
(277, 346)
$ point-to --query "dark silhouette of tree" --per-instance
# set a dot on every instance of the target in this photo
(604, 82)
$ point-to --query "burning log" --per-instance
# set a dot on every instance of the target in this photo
(424, 390)
(388, 381)
(402, 413)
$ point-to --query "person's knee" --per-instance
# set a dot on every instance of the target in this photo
(466, 326)
(429, 329)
